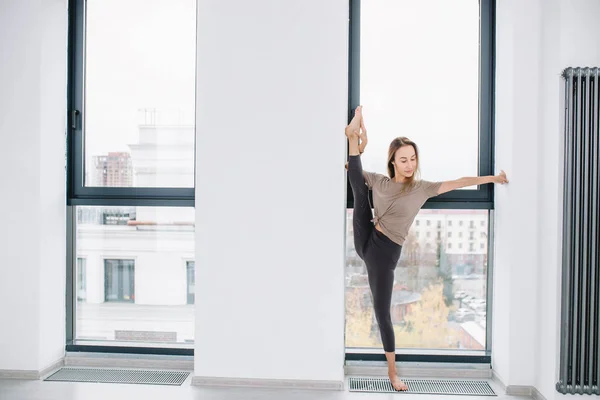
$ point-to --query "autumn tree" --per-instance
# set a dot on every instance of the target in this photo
(427, 321)
(359, 320)
(445, 272)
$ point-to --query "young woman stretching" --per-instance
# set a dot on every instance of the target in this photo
(397, 200)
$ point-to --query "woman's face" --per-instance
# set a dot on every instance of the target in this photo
(405, 161)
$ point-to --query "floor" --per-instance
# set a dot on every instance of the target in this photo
(40, 390)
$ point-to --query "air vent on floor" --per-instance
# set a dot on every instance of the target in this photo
(423, 386)
(107, 375)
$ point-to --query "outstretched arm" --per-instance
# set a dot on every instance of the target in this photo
(472, 181)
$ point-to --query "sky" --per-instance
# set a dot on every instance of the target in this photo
(140, 54)
(419, 76)
(419, 79)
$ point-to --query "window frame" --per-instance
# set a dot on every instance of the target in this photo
(480, 199)
(77, 192)
(80, 195)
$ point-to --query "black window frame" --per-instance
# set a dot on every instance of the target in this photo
(481, 198)
(80, 195)
(77, 192)
(466, 199)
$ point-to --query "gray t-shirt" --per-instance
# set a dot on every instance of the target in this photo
(395, 211)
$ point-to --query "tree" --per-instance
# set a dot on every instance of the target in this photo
(427, 322)
(359, 320)
(445, 272)
(409, 262)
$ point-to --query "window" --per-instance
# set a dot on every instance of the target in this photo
(471, 224)
(471, 247)
(117, 216)
(471, 235)
(460, 234)
(191, 281)
(428, 223)
(449, 234)
(459, 36)
(119, 281)
(151, 124)
(481, 245)
(131, 133)
(81, 280)
(418, 223)
(426, 280)
(460, 246)
(428, 234)
(144, 296)
(443, 38)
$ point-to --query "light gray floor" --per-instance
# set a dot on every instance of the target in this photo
(40, 390)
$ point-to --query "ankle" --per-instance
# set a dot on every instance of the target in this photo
(353, 148)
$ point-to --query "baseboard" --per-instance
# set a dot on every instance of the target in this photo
(423, 370)
(518, 390)
(51, 368)
(536, 394)
(31, 374)
(19, 374)
(498, 380)
(268, 383)
(143, 361)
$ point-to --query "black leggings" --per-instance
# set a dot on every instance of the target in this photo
(379, 253)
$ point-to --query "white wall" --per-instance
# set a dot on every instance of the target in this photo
(32, 127)
(272, 96)
(571, 38)
(270, 275)
(536, 40)
(517, 127)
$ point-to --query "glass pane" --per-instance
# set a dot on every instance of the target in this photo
(140, 93)
(138, 262)
(439, 296)
(419, 78)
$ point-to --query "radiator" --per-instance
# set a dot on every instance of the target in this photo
(580, 306)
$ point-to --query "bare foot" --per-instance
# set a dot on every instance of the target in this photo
(353, 129)
(362, 135)
(397, 383)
